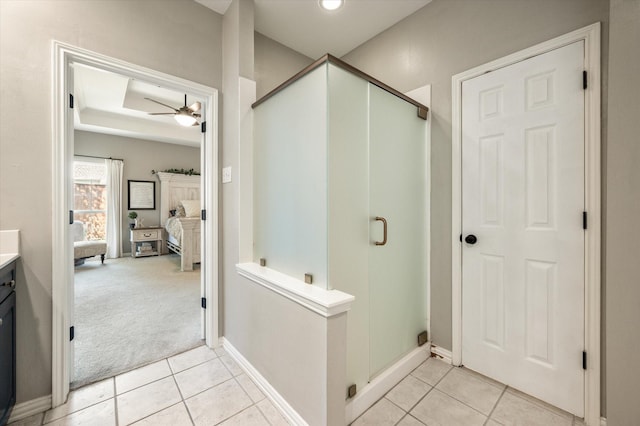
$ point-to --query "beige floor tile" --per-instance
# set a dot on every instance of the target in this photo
(249, 417)
(409, 420)
(382, 413)
(202, 377)
(514, 410)
(470, 389)
(218, 403)
(231, 364)
(82, 398)
(146, 400)
(176, 415)
(101, 414)
(539, 403)
(220, 351)
(142, 376)
(438, 408)
(431, 371)
(492, 422)
(35, 420)
(250, 388)
(408, 392)
(191, 358)
(271, 413)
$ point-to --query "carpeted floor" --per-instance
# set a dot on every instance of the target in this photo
(130, 312)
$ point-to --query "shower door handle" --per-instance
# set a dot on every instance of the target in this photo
(384, 231)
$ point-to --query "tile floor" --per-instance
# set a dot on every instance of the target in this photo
(198, 387)
(206, 387)
(436, 393)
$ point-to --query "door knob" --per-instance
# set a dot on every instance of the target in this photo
(470, 239)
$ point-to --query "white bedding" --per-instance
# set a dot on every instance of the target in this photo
(174, 228)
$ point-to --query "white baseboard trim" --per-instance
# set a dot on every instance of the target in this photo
(441, 353)
(29, 408)
(383, 383)
(278, 401)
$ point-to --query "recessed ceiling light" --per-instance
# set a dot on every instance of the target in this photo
(330, 4)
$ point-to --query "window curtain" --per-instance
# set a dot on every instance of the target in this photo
(114, 208)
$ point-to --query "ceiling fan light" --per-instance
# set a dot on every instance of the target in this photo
(330, 4)
(185, 119)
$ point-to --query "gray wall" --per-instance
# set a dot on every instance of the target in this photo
(140, 32)
(440, 40)
(275, 63)
(623, 211)
(140, 157)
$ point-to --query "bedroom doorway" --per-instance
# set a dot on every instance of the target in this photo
(66, 59)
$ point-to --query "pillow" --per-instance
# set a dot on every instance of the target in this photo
(191, 207)
(180, 211)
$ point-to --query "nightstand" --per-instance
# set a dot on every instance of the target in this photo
(146, 242)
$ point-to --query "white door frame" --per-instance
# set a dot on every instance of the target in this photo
(591, 37)
(63, 56)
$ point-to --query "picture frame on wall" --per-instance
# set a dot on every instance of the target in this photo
(142, 195)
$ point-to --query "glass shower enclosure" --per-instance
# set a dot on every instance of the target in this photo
(340, 196)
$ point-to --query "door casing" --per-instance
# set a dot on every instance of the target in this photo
(592, 132)
(63, 55)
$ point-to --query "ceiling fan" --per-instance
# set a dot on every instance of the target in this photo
(185, 115)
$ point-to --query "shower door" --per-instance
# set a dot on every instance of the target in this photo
(397, 194)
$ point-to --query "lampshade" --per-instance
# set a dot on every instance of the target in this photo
(185, 119)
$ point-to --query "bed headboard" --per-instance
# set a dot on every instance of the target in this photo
(175, 188)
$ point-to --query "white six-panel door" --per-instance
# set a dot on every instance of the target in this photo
(523, 200)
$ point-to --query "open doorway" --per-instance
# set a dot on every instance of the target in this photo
(160, 266)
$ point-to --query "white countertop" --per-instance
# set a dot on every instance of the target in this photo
(6, 259)
(9, 246)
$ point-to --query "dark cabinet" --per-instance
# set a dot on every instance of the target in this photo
(7, 341)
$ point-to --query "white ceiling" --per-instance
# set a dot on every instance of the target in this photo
(305, 27)
(115, 104)
(110, 103)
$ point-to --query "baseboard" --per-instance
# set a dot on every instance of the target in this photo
(29, 408)
(278, 401)
(383, 383)
(441, 353)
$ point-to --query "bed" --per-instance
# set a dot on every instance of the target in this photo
(178, 192)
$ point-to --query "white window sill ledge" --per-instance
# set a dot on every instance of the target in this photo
(327, 303)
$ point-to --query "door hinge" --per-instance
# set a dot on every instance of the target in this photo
(203, 302)
(584, 80)
(203, 214)
(72, 333)
(70, 101)
(203, 127)
(584, 360)
(584, 220)
(70, 217)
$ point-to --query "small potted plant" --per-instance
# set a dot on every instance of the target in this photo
(133, 216)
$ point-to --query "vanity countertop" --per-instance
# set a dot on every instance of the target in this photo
(6, 259)
(9, 247)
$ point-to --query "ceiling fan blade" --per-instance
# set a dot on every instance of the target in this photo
(195, 124)
(195, 107)
(153, 100)
(195, 115)
(161, 113)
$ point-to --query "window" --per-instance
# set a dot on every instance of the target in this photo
(90, 197)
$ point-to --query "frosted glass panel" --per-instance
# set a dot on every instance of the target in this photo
(397, 192)
(290, 179)
(349, 210)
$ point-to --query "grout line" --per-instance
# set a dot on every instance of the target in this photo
(495, 406)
